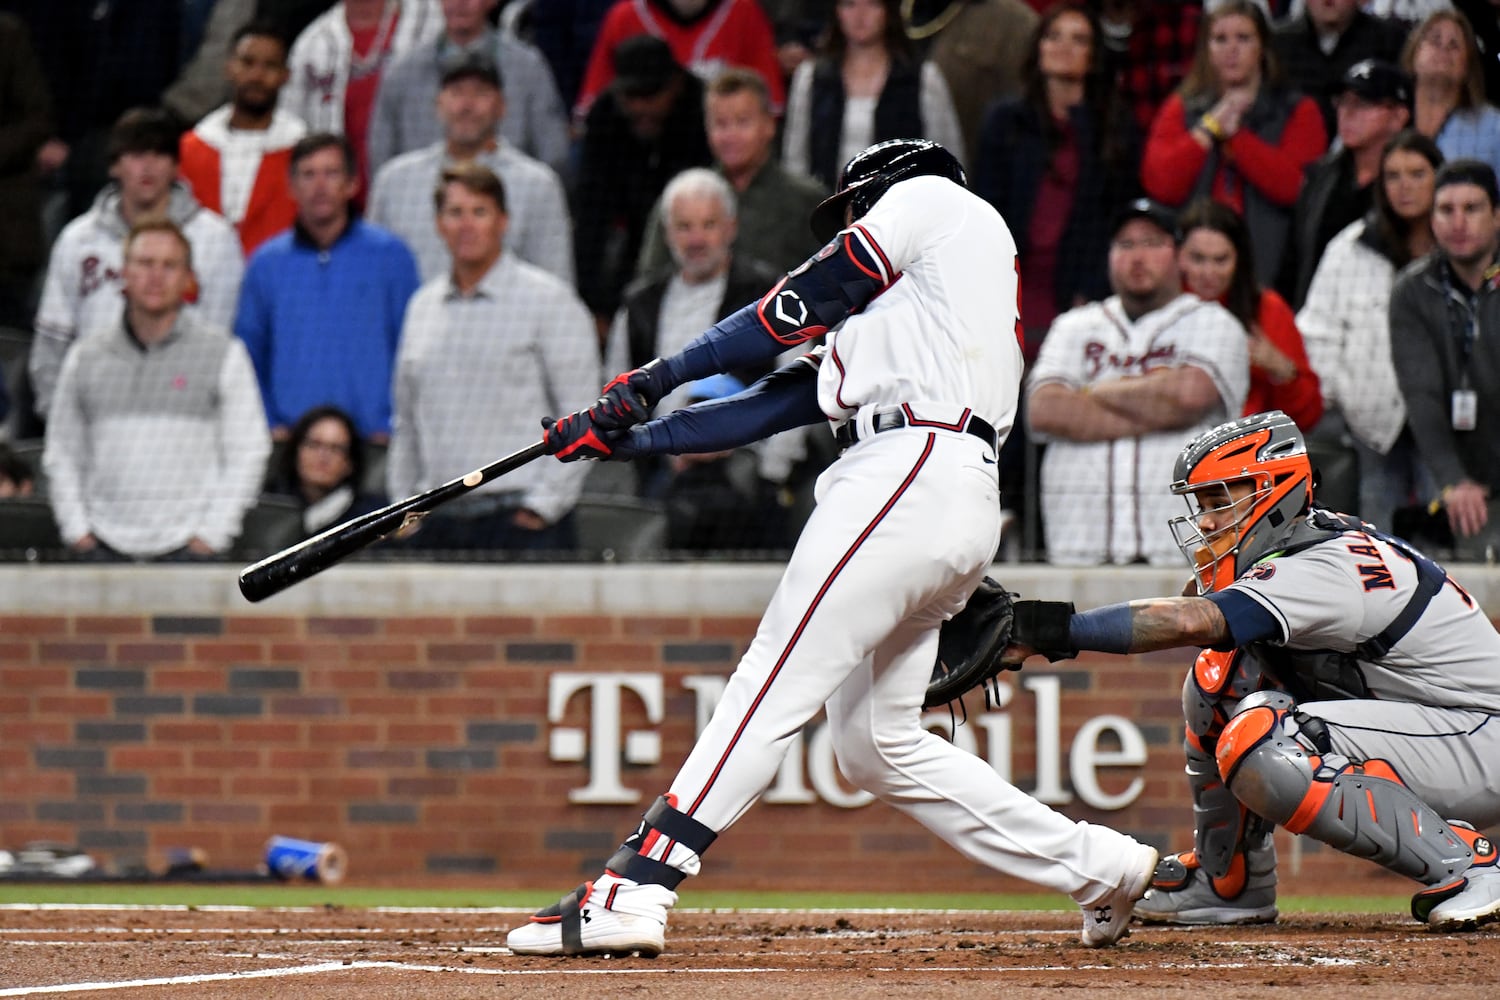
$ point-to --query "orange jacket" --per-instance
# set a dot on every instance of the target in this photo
(270, 208)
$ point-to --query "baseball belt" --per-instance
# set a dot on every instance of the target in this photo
(847, 433)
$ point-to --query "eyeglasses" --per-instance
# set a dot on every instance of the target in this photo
(328, 447)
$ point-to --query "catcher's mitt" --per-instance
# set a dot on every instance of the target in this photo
(970, 644)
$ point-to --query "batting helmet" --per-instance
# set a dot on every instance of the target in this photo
(870, 174)
(1228, 527)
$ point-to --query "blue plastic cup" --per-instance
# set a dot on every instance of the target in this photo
(291, 859)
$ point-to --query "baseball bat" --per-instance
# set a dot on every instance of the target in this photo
(296, 563)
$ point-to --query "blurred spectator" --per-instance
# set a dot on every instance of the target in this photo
(1058, 163)
(978, 46)
(797, 25)
(156, 443)
(486, 350)
(641, 132)
(774, 203)
(1447, 307)
(1346, 326)
(564, 31)
(202, 85)
(1119, 388)
(1218, 266)
(322, 304)
(82, 288)
(17, 478)
(535, 122)
(1338, 188)
(865, 86)
(237, 158)
(1150, 44)
(470, 108)
(25, 125)
(708, 280)
(1484, 18)
(1443, 58)
(322, 468)
(337, 61)
(1317, 47)
(293, 15)
(1234, 133)
(100, 58)
(705, 36)
(717, 501)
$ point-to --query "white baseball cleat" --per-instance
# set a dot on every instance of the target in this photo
(1474, 899)
(1107, 920)
(609, 916)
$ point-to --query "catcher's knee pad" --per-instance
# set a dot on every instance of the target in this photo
(1218, 681)
(1277, 762)
(664, 849)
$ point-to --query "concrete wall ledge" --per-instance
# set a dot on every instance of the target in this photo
(699, 588)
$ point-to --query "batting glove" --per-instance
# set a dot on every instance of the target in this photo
(575, 437)
(628, 398)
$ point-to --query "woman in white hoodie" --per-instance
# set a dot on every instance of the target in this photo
(1346, 327)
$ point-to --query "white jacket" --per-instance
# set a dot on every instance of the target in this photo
(321, 57)
(82, 291)
(1345, 324)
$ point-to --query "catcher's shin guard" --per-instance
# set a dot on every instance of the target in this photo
(1183, 892)
(1277, 762)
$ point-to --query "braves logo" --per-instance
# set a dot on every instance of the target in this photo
(1097, 357)
(320, 83)
(94, 274)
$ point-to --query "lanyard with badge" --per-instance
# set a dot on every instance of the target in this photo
(1464, 401)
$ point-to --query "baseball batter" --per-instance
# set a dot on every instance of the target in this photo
(1119, 387)
(1351, 691)
(916, 291)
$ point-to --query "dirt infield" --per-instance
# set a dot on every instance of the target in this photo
(336, 954)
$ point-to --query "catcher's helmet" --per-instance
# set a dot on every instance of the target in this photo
(871, 173)
(1224, 534)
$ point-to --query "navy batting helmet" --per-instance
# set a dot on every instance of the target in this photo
(870, 174)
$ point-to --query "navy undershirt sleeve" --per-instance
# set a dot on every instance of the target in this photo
(786, 398)
(736, 341)
(1248, 619)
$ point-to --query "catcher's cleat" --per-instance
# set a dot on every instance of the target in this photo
(1183, 893)
(609, 916)
(1107, 920)
(1470, 901)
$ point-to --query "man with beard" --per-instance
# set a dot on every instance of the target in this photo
(237, 159)
(1119, 387)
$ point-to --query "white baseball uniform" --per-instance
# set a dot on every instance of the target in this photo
(907, 521)
(1107, 501)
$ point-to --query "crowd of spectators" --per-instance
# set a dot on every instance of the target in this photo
(325, 254)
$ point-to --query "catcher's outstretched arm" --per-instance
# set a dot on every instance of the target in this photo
(1054, 630)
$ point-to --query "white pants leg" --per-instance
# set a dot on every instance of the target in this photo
(906, 524)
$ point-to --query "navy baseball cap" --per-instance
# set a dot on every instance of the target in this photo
(470, 66)
(644, 65)
(1376, 80)
(1154, 212)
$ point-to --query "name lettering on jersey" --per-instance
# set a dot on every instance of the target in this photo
(94, 274)
(1098, 358)
(1376, 576)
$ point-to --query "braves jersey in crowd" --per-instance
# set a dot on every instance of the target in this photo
(1106, 501)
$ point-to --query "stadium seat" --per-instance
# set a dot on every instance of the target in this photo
(28, 531)
(620, 529)
(270, 526)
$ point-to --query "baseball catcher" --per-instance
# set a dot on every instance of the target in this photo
(1348, 691)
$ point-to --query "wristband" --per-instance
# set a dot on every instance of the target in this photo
(1105, 629)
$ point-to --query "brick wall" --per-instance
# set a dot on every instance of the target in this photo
(420, 739)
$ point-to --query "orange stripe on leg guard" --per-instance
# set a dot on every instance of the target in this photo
(1244, 733)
